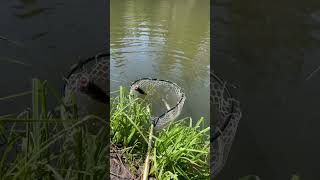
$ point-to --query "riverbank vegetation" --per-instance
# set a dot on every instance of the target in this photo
(43, 144)
(180, 151)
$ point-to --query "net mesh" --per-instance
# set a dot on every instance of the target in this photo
(163, 94)
(165, 97)
(96, 70)
(226, 118)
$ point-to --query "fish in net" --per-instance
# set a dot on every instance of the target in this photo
(165, 97)
(87, 88)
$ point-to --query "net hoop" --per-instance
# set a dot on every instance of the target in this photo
(180, 102)
(81, 64)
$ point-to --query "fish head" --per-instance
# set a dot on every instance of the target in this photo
(83, 83)
(136, 87)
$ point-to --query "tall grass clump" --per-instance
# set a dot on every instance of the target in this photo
(180, 151)
(129, 123)
(130, 120)
(39, 146)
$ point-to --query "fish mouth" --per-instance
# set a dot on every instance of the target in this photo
(135, 87)
(83, 83)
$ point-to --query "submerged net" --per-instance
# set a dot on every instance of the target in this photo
(226, 117)
(165, 97)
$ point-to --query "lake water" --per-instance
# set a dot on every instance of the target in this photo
(54, 36)
(163, 39)
(268, 50)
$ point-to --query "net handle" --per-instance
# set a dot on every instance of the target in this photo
(155, 122)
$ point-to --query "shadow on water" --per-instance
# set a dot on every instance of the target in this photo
(268, 50)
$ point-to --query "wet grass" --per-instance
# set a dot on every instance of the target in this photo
(37, 145)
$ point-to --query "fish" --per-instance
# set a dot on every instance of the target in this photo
(137, 88)
(91, 89)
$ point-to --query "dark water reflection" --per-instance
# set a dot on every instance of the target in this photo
(163, 39)
(48, 36)
(268, 49)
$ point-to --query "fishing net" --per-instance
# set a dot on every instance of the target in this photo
(95, 68)
(226, 117)
(165, 97)
(87, 87)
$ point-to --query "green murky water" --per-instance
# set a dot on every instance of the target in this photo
(163, 39)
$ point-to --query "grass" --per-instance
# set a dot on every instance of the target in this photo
(129, 123)
(39, 146)
(129, 120)
(180, 151)
(36, 144)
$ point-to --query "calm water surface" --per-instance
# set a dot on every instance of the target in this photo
(163, 39)
(55, 34)
(268, 49)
